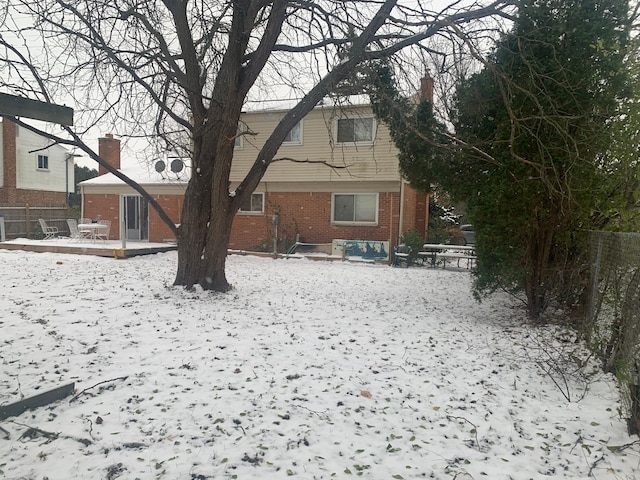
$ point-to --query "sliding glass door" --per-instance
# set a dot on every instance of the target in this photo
(136, 217)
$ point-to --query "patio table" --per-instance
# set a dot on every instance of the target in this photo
(92, 228)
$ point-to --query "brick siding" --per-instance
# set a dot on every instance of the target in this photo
(414, 213)
(307, 214)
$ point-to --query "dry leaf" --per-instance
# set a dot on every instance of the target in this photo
(365, 393)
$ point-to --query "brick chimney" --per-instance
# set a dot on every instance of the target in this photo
(426, 87)
(109, 151)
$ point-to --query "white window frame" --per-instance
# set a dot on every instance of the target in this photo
(355, 221)
(42, 162)
(239, 140)
(354, 119)
(290, 140)
(254, 212)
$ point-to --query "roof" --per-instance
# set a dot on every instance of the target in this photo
(143, 175)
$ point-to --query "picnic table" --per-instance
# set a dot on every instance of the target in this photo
(431, 253)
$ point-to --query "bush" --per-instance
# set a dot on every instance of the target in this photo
(414, 240)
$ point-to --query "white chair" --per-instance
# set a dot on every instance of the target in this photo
(47, 231)
(76, 234)
(103, 233)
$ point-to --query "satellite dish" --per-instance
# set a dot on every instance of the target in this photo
(160, 166)
(177, 165)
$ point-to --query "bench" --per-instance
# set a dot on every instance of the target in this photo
(401, 254)
(433, 253)
(444, 256)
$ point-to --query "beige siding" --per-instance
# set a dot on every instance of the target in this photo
(375, 162)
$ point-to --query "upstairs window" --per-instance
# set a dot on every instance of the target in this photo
(239, 140)
(254, 204)
(294, 137)
(355, 130)
(43, 162)
(355, 208)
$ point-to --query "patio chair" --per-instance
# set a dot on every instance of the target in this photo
(47, 231)
(74, 233)
(401, 254)
(104, 232)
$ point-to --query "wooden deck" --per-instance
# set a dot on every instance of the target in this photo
(111, 249)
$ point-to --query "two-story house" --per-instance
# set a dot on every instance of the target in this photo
(36, 177)
(32, 170)
(343, 183)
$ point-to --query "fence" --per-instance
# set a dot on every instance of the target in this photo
(22, 220)
(613, 316)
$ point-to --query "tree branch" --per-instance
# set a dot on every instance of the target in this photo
(316, 162)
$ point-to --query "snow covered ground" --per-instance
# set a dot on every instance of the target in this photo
(306, 370)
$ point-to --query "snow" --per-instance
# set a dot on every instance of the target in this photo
(144, 174)
(306, 370)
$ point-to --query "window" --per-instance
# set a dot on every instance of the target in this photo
(355, 207)
(295, 135)
(43, 162)
(355, 130)
(239, 140)
(253, 204)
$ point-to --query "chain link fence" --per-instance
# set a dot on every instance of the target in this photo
(613, 315)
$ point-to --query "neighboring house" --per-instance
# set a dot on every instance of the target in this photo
(363, 198)
(32, 170)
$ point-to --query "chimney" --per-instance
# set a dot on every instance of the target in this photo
(109, 151)
(426, 87)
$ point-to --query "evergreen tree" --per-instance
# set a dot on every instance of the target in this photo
(419, 137)
(531, 154)
(542, 109)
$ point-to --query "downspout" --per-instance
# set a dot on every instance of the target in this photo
(390, 228)
(401, 221)
(426, 220)
(82, 201)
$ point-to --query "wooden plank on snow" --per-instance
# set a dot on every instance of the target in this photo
(40, 400)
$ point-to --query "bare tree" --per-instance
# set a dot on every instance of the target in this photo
(184, 69)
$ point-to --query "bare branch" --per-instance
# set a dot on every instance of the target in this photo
(316, 162)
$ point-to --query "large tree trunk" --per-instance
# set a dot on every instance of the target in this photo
(207, 217)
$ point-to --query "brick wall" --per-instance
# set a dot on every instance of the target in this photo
(414, 213)
(172, 205)
(107, 207)
(9, 160)
(32, 197)
(309, 215)
(306, 214)
(104, 207)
